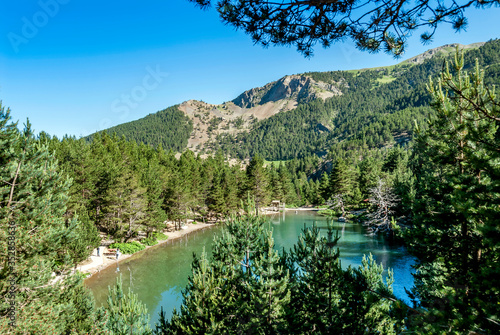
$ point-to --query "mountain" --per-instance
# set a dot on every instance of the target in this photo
(295, 88)
(444, 50)
(310, 113)
(250, 107)
(169, 128)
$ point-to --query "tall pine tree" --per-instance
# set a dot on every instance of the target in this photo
(35, 267)
(456, 234)
(258, 181)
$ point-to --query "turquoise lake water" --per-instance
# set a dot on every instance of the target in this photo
(158, 275)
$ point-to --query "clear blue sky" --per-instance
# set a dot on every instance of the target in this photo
(86, 65)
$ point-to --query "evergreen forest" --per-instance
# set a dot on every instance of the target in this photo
(414, 148)
(378, 108)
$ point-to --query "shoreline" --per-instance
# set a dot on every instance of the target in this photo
(95, 264)
(270, 210)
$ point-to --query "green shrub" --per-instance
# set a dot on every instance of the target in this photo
(129, 247)
(328, 212)
(149, 241)
(160, 236)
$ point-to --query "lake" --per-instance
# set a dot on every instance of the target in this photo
(158, 275)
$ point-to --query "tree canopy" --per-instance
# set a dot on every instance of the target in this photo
(372, 25)
(455, 232)
(248, 287)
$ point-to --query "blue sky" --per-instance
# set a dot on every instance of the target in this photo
(78, 66)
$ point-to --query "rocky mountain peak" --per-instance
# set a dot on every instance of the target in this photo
(444, 49)
(299, 88)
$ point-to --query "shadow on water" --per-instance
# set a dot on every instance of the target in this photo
(158, 275)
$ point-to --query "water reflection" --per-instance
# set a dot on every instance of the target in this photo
(354, 242)
(158, 275)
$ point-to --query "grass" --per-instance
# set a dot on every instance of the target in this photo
(328, 212)
(149, 241)
(274, 163)
(386, 79)
(160, 236)
(387, 67)
(129, 247)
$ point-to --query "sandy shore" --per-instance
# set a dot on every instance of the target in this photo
(314, 209)
(270, 210)
(96, 263)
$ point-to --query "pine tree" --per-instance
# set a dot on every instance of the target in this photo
(306, 23)
(275, 187)
(125, 204)
(242, 289)
(230, 177)
(269, 292)
(127, 314)
(215, 198)
(370, 172)
(183, 192)
(324, 187)
(455, 231)
(35, 277)
(76, 160)
(285, 179)
(84, 238)
(341, 180)
(202, 301)
(325, 299)
(177, 197)
(153, 179)
(258, 181)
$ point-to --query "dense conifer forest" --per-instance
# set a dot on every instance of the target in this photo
(378, 107)
(434, 184)
(169, 128)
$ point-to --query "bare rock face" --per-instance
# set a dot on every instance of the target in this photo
(288, 87)
(249, 98)
(299, 88)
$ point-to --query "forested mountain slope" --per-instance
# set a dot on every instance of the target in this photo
(310, 113)
(169, 128)
(377, 108)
